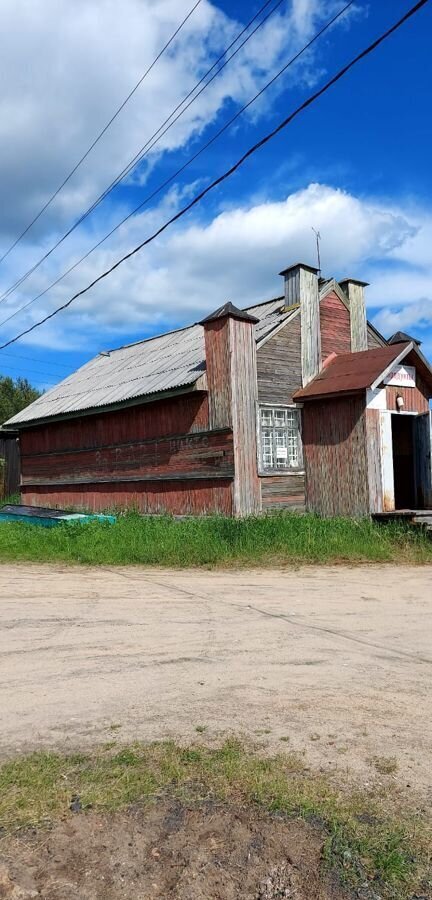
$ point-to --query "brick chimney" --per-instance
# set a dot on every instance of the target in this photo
(233, 394)
(301, 287)
(355, 291)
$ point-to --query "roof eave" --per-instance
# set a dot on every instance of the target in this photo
(200, 385)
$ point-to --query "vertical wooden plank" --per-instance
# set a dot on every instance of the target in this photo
(310, 325)
(359, 332)
(247, 486)
(232, 396)
(373, 437)
(335, 453)
(301, 286)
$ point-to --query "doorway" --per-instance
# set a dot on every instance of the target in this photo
(403, 461)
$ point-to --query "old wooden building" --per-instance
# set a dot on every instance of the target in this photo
(9, 463)
(295, 402)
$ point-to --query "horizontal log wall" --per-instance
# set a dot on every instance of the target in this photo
(200, 455)
(283, 492)
(184, 498)
(159, 457)
(279, 365)
(335, 452)
(177, 415)
(373, 340)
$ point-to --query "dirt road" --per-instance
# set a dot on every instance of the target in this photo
(336, 663)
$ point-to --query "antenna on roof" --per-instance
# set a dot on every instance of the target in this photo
(318, 238)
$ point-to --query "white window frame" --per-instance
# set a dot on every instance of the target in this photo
(278, 470)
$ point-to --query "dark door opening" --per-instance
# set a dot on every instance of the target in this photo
(403, 461)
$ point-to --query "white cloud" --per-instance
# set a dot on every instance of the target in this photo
(66, 66)
(197, 265)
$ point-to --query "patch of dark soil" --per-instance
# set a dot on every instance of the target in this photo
(169, 850)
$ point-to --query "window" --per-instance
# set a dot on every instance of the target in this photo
(280, 441)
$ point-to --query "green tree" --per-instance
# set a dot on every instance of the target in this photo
(14, 396)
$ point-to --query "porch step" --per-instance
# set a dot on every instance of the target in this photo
(424, 521)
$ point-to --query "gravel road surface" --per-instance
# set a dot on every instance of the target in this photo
(335, 663)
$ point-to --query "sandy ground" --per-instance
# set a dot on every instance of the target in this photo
(332, 662)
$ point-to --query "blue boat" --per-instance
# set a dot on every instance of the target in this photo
(48, 518)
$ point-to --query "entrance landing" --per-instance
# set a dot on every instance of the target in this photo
(422, 517)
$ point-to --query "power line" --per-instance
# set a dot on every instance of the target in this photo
(182, 168)
(101, 133)
(227, 174)
(153, 139)
(35, 360)
(50, 375)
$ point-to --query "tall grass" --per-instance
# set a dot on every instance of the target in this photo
(266, 540)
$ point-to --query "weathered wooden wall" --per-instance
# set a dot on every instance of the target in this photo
(160, 457)
(335, 326)
(176, 415)
(415, 399)
(373, 448)
(180, 498)
(232, 392)
(358, 324)
(9, 466)
(283, 492)
(335, 452)
(279, 376)
(200, 455)
(373, 340)
(279, 365)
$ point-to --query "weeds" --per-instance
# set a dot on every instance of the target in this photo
(385, 765)
(210, 541)
(362, 842)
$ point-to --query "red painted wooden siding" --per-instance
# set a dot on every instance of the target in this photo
(415, 399)
(201, 455)
(176, 415)
(183, 498)
(158, 457)
(335, 453)
(335, 326)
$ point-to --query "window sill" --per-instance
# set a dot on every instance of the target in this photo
(270, 473)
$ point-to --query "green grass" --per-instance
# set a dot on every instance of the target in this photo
(209, 541)
(363, 841)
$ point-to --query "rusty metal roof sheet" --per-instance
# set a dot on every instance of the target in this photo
(351, 372)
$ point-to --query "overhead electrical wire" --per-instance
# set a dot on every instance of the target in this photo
(101, 133)
(50, 375)
(33, 359)
(227, 174)
(154, 139)
(172, 177)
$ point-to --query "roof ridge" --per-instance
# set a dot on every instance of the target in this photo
(147, 339)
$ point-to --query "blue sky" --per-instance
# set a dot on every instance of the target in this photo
(356, 165)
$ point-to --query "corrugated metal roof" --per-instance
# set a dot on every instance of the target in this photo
(167, 362)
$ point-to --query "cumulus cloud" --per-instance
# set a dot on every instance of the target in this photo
(236, 256)
(65, 67)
